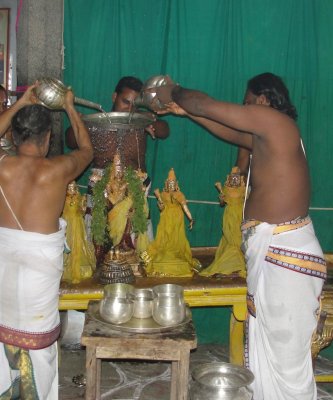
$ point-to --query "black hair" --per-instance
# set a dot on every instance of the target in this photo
(128, 82)
(31, 123)
(276, 92)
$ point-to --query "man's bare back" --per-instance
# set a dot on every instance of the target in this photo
(34, 186)
(35, 191)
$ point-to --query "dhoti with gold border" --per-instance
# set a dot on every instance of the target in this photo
(31, 265)
(286, 270)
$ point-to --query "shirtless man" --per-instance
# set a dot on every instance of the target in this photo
(132, 150)
(243, 160)
(285, 264)
(32, 195)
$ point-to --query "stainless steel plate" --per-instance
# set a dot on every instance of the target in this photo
(138, 325)
(118, 119)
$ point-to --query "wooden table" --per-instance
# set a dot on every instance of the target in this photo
(198, 292)
(102, 341)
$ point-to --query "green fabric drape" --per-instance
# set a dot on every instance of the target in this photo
(214, 46)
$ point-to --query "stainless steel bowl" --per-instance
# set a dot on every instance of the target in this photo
(117, 119)
(169, 307)
(116, 310)
(143, 303)
(117, 306)
(221, 381)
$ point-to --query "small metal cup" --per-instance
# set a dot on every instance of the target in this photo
(143, 303)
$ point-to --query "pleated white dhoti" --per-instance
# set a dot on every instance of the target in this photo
(31, 266)
(285, 274)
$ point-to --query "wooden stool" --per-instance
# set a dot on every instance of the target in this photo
(102, 341)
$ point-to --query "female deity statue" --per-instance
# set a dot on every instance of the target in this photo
(170, 253)
(128, 211)
(79, 262)
(229, 257)
(120, 208)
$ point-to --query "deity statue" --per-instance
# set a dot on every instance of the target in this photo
(170, 253)
(79, 262)
(229, 257)
(128, 209)
(120, 207)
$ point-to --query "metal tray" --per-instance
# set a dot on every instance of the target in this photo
(138, 325)
(118, 119)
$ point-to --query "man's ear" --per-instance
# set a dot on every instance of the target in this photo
(114, 96)
(262, 99)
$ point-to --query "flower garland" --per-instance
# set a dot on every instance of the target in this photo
(139, 218)
(99, 211)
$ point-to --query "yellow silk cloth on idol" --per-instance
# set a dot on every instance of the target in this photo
(80, 262)
(117, 218)
(170, 253)
(229, 257)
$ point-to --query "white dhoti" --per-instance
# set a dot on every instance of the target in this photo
(285, 274)
(31, 266)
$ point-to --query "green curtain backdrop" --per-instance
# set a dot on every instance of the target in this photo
(214, 46)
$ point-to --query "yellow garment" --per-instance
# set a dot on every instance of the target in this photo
(117, 218)
(170, 253)
(19, 359)
(229, 257)
(80, 263)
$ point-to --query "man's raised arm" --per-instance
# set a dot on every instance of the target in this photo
(81, 157)
(27, 99)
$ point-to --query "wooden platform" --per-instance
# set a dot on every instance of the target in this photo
(198, 291)
(103, 342)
